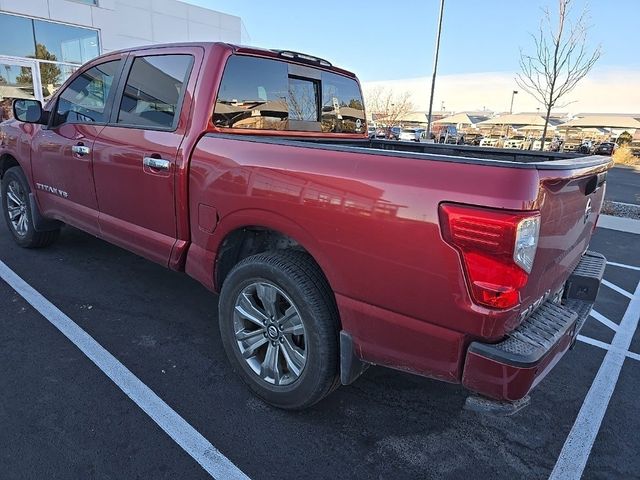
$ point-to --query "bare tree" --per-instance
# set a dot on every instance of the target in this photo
(388, 106)
(561, 59)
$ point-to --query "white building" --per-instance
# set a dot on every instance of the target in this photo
(43, 41)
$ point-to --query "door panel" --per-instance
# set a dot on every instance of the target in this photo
(63, 179)
(135, 155)
(137, 202)
(62, 152)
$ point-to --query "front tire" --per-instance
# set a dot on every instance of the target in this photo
(280, 327)
(17, 212)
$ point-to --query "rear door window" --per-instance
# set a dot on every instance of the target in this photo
(154, 91)
(265, 94)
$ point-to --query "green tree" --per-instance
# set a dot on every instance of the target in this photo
(624, 138)
(49, 72)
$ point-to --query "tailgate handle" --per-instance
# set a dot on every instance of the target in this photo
(595, 183)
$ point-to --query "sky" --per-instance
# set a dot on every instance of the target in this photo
(481, 40)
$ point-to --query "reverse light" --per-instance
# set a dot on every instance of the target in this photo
(527, 233)
(497, 248)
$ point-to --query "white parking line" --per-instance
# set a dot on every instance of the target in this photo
(633, 356)
(577, 447)
(593, 341)
(604, 320)
(616, 288)
(191, 441)
(605, 346)
(624, 265)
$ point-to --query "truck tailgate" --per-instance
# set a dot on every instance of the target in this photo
(569, 203)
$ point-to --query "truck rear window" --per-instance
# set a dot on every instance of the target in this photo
(266, 94)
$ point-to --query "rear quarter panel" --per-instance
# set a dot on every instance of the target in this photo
(370, 221)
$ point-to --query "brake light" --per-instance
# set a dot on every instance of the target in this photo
(497, 248)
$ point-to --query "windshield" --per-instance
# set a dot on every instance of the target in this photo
(267, 94)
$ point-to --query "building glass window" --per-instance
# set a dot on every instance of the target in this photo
(63, 43)
(16, 36)
(53, 75)
(57, 49)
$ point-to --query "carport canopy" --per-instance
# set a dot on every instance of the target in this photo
(459, 118)
(515, 119)
(603, 121)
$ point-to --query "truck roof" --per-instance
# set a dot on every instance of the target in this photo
(287, 55)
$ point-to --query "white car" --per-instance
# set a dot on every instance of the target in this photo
(517, 143)
(410, 134)
(547, 144)
(490, 142)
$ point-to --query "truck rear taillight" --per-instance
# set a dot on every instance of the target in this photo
(497, 248)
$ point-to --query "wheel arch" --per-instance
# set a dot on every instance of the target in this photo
(243, 241)
(7, 161)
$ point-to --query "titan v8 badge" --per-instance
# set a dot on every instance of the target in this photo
(54, 190)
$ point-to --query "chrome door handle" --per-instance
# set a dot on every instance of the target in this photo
(81, 150)
(156, 163)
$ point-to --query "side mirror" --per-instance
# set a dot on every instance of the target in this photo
(29, 111)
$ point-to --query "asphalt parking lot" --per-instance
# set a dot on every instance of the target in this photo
(625, 180)
(62, 417)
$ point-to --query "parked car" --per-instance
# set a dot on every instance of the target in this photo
(516, 142)
(393, 133)
(605, 148)
(411, 134)
(473, 139)
(494, 142)
(424, 138)
(330, 251)
(586, 147)
(448, 134)
(571, 145)
(371, 130)
(548, 144)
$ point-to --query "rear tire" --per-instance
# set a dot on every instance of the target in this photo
(280, 328)
(17, 212)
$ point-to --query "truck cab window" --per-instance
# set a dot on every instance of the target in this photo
(253, 94)
(303, 99)
(154, 90)
(85, 98)
(342, 105)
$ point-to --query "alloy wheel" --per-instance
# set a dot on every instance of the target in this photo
(17, 208)
(269, 333)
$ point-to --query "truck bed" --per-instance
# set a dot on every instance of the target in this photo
(437, 152)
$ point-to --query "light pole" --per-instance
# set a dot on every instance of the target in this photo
(435, 69)
(515, 92)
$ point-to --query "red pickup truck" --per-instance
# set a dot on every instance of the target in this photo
(252, 171)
